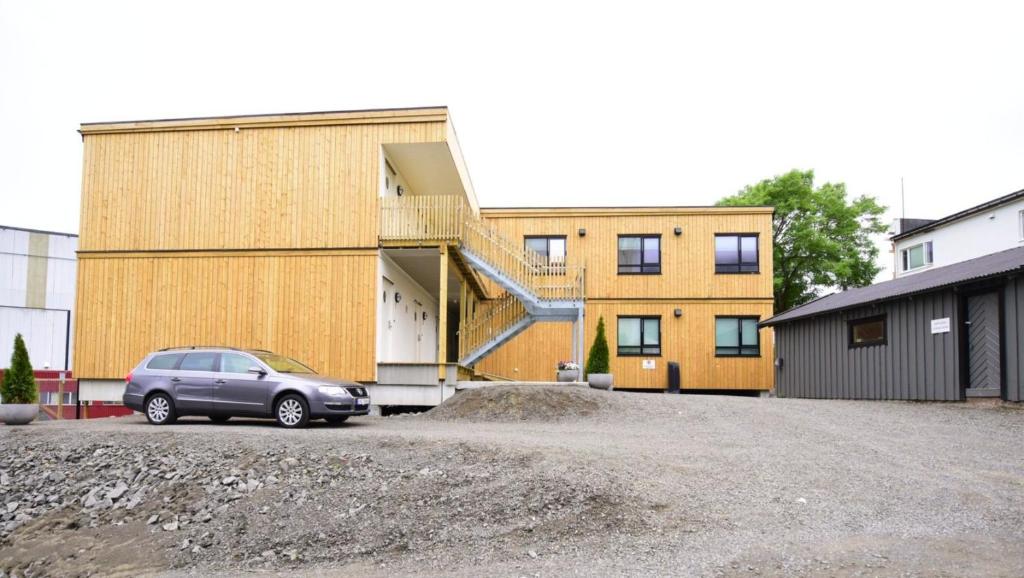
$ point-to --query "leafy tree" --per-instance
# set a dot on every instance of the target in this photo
(821, 239)
(597, 361)
(19, 385)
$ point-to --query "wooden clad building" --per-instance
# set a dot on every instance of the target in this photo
(354, 241)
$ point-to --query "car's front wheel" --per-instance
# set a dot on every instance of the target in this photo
(160, 409)
(292, 411)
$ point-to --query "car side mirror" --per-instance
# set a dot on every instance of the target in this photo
(257, 369)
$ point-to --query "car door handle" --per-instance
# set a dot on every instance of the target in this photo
(175, 379)
(220, 381)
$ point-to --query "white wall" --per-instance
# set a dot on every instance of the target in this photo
(44, 331)
(974, 236)
(400, 338)
(45, 328)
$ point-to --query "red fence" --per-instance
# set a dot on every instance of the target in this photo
(48, 381)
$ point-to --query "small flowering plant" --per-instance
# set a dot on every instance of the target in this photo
(568, 366)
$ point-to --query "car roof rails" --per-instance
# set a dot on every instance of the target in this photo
(199, 347)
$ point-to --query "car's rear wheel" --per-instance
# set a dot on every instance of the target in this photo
(160, 409)
(292, 411)
(336, 419)
(219, 418)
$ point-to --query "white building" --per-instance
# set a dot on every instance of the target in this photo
(922, 244)
(37, 295)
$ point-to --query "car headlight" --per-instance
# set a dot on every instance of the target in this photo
(332, 390)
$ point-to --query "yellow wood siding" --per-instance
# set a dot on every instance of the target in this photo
(689, 340)
(295, 187)
(687, 260)
(317, 308)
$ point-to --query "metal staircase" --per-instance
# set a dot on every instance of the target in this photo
(528, 288)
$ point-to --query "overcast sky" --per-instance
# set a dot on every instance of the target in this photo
(554, 104)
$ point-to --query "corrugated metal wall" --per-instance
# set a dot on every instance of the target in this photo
(1013, 340)
(913, 364)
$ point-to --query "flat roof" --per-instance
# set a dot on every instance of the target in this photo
(993, 265)
(370, 115)
(960, 215)
(38, 231)
(632, 210)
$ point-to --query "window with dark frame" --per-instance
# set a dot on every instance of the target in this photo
(737, 337)
(639, 254)
(867, 331)
(736, 253)
(551, 247)
(639, 336)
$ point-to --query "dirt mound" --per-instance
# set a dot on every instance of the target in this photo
(522, 402)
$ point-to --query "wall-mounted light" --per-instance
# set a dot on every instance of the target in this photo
(678, 231)
(424, 315)
(583, 232)
(678, 312)
(400, 190)
(398, 297)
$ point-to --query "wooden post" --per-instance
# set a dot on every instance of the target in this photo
(463, 308)
(442, 316)
(60, 396)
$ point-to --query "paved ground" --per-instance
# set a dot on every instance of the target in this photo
(643, 484)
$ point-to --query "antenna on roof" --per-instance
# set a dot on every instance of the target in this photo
(903, 201)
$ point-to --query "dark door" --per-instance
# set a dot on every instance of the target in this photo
(238, 392)
(983, 350)
(193, 382)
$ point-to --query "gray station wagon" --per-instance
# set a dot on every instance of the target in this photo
(221, 382)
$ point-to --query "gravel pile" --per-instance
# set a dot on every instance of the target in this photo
(523, 403)
(192, 501)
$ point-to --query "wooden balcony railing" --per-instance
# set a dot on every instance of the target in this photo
(447, 218)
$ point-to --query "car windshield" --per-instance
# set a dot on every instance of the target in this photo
(282, 364)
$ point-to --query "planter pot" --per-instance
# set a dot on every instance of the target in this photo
(600, 380)
(18, 413)
(568, 375)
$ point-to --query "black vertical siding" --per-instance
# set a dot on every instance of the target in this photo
(914, 364)
(1013, 311)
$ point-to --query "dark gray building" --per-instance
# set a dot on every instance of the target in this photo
(946, 334)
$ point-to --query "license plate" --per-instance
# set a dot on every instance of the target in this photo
(363, 401)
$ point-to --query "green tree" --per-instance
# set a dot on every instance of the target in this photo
(821, 239)
(597, 361)
(19, 385)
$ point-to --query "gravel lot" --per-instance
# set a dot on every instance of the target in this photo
(636, 484)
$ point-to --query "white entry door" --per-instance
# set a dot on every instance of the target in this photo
(387, 318)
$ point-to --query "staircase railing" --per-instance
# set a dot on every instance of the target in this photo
(423, 218)
(501, 315)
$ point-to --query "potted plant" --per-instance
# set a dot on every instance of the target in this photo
(568, 371)
(598, 370)
(18, 390)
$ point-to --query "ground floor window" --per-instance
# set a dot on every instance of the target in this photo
(737, 337)
(639, 336)
(868, 331)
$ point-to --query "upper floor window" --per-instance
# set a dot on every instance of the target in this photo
(736, 253)
(1020, 224)
(639, 254)
(639, 336)
(551, 247)
(737, 337)
(917, 256)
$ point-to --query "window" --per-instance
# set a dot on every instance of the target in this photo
(736, 253)
(737, 337)
(868, 331)
(1020, 224)
(550, 247)
(282, 364)
(235, 363)
(199, 361)
(917, 256)
(50, 398)
(169, 361)
(639, 254)
(639, 336)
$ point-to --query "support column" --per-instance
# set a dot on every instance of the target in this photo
(576, 347)
(442, 316)
(463, 310)
(581, 341)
